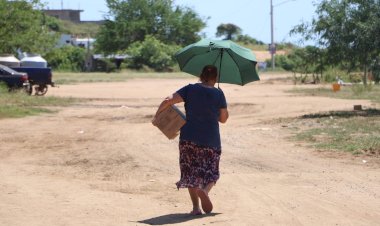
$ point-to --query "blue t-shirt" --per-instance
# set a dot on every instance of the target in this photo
(202, 105)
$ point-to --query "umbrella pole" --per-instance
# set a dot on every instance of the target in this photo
(220, 66)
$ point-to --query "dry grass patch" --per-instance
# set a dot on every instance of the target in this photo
(357, 132)
(18, 104)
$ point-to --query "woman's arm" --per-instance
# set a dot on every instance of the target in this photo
(223, 115)
(170, 100)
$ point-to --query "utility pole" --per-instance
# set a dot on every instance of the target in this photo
(272, 47)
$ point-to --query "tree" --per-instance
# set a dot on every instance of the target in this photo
(246, 39)
(152, 53)
(230, 31)
(22, 26)
(130, 21)
(348, 30)
(376, 70)
(67, 58)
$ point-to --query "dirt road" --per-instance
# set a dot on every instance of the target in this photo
(101, 162)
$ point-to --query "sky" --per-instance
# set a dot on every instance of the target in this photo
(252, 16)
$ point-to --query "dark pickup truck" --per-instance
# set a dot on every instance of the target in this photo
(13, 79)
(39, 78)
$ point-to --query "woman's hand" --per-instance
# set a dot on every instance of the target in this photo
(170, 100)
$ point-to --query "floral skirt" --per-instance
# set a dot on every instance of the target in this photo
(199, 165)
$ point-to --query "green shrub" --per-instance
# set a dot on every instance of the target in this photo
(284, 62)
(355, 77)
(331, 75)
(3, 88)
(152, 53)
(104, 65)
(376, 77)
(246, 39)
(375, 70)
(359, 89)
(67, 58)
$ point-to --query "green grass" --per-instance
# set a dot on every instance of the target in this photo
(18, 104)
(350, 131)
(74, 78)
(355, 134)
(19, 112)
(83, 29)
(358, 91)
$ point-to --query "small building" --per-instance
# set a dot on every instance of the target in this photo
(87, 43)
(72, 15)
(64, 40)
(98, 63)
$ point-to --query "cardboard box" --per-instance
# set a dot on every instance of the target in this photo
(170, 121)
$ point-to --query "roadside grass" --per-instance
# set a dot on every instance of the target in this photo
(357, 132)
(61, 78)
(371, 92)
(18, 104)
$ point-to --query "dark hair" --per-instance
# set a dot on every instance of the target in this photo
(209, 72)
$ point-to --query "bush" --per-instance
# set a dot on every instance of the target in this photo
(359, 89)
(152, 53)
(104, 65)
(331, 75)
(3, 87)
(282, 61)
(376, 71)
(355, 77)
(376, 77)
(246, 39)
(67, 58)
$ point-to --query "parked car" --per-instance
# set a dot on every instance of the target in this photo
(13, 79)
(39, 78)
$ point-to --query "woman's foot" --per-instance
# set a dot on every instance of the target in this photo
(196, 212)
(205, 200)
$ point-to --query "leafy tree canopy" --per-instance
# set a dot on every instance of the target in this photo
(348, 30)
(129, 21)
(23, 26)
(152, 53)
(230, 31)
(67, 58)
(246, 39)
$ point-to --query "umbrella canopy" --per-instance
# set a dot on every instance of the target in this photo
(236, 64)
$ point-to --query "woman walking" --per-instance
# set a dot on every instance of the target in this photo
(200, 145)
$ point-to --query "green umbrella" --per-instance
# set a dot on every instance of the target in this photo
(236, 64)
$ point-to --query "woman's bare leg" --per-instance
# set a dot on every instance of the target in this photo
(205, 199)
(209, 186)
(194, 200)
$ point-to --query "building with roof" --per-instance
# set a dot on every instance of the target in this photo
(72, 15)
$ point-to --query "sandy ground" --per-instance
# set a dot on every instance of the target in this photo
(101, 162)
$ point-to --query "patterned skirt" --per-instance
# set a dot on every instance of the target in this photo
(199, 165)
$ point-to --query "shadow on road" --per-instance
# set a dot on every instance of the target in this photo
(174, 218)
